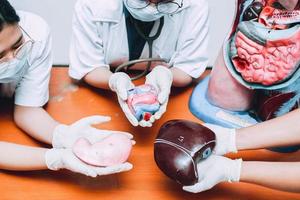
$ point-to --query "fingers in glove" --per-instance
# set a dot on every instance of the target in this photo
(152, 119)
(163, 94)
(144, 123)
(129, 135)
(104, 133)
(122, 93)
(122, 90)
(161, 111)
(79, 167)
(98, 135)
(114, 169)
(128, 113)
(198, 187)
(92, 120)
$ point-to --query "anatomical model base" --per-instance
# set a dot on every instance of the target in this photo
(201, 107)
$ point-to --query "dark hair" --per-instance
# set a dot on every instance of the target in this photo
(8, 14)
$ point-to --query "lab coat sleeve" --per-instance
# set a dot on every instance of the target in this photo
(86, 49)
(191, 54)
(33, 89)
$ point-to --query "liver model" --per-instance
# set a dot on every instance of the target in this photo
(179, 146)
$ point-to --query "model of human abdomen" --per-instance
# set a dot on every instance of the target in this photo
(225, 91)
(256, 55)
(278, 18)
(253, 11)
(264, 56)
(142, 101)
(179, 146)
(112, 150)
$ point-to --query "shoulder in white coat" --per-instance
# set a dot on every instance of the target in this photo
(32, 89)
(101, 10)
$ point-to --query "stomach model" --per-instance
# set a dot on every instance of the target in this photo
(142, 102)
(112, 150)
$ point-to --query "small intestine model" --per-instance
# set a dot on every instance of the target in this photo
(142, 101)
(261, 52)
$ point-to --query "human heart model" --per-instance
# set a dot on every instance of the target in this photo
(112, 150)
(142, 101)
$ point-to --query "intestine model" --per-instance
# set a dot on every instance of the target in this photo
(264, 56)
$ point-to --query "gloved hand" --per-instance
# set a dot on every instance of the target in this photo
(64, 136)
(214, 170)
(65, 159)
(120, 83)
(161, 78)
(226, 139)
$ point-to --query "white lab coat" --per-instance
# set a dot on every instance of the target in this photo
(31, 82)
(99, 37)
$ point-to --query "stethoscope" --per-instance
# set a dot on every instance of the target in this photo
(149, 40)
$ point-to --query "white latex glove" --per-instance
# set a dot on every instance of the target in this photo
(65, 159)
(161, 78)
(225, 139)
(64, 136)
(214, 170)
(120, 83)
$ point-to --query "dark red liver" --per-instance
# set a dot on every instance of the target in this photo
(179, 146)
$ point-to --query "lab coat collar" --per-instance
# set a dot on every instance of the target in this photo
(108, 11)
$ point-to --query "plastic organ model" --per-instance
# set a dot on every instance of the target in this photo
(266, 60)
(179, 146)
(112, 150)
(142, 101)
(261, 52)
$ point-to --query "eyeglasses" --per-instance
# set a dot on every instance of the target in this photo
(22, 50)
(166, 7)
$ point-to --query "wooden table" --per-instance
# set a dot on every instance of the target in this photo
(68, 103)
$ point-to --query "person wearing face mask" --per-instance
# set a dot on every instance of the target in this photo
(109, 33)
(25, 64)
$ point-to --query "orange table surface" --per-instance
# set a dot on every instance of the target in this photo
(68, 103)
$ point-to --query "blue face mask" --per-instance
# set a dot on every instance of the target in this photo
(147, 14)
(11, 71)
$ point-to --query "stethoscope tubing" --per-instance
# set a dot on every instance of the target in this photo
(149, 40)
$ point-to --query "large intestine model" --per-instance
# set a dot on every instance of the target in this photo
(262, 51)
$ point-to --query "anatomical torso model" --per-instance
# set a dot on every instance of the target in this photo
(261, 54)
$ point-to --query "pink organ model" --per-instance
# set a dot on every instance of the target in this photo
(262, 51)
(266, 60)
(112, 150)
(142, 101)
